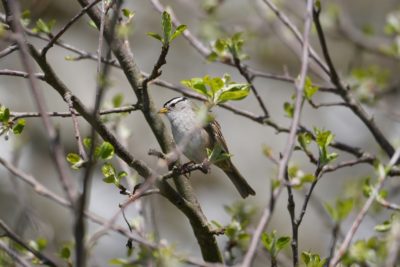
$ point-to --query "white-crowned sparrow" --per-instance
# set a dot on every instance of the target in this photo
(195, 138)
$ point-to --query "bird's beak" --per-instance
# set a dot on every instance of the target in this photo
(163, 111)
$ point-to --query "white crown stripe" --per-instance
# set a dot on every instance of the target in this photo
(175, 100)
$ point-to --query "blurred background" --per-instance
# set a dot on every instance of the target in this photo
(353, 28)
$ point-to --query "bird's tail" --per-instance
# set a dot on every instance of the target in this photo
(238, 180)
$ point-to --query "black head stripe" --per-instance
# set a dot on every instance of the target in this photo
(174, 101)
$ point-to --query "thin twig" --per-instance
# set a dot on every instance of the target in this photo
(75, 124)
(127, 109)
(66, 27)
(8, 50)
(244, 72)
(18, 73)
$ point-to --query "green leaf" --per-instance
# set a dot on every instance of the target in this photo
(331, 211)
(289, 109)
(304, 139)
(275, 183)
(305, 256)
(234, 92)
(282, 242)
(268, 240)
(166, 26)
(26, 17)
(128, 13)
(105, 151)
(118, 261)
(344, 207)
(383, 227)
(4, 114)
(179, 30)
(220, 45)
(212, 56)
(65, 252)
(117, 100)
(17, 129)
(43, 27)
(155, 35)
(216, 84)
(341, 210)
(92, 24)
(121, 175)
(40, 244)
(197, 85)
(307, 178)
(73, 158)
(217, 154)
(367, 188)
(109, 180)
(108, 170)
(323, 137)
(309, 89)
(87, 142)
(312, 260)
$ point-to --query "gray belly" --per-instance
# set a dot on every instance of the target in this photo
(193, 146)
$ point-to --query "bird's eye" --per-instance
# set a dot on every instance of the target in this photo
(172, 105)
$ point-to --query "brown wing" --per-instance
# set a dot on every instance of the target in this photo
(214, 131)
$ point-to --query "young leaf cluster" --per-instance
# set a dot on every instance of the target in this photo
(168, 34)
(274, 244)
(237, 229)
(298, 178)
(163, 256)
(323, 138)
(218, 90)
(44, 27)
(371, 252)
(312, 260)
(104, 151)
(225, 47)
(309, 92)
(341, 210)
(124, 29)
(7, 124)
(217, 154)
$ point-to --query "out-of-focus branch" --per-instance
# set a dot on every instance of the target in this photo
(43, 258)
(13, 19)
(353, 104)
(13, 254)
(372, 44)
(102, 73)
(292, 27)
(360, 216)
(249, 257)
(40, 189)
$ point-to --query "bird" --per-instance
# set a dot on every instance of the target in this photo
(196, 137)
